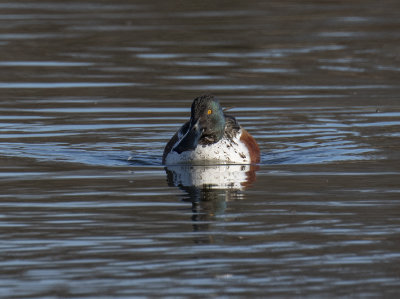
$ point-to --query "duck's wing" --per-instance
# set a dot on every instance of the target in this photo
(232, 127)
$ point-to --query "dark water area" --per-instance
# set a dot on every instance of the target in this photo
(91, 91)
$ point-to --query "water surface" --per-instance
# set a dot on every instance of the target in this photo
(90, 94)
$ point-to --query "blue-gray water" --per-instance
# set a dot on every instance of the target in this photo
(90, 92)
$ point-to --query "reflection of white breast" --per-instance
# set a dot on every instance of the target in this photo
(225, 151)
(217, 176)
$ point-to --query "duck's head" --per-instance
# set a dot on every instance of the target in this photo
(206, 126)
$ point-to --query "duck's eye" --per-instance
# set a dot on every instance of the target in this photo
(209, 111)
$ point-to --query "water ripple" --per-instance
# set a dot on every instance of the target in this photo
(52, 85)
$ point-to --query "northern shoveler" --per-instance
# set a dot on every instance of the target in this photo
(211, 136)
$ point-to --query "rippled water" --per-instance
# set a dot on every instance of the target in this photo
(90, 94)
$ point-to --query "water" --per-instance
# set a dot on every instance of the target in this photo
(90, 94)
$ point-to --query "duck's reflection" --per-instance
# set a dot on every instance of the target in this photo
(210, 187)
(227, 177)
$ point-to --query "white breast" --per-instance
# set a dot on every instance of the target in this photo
(225, 151)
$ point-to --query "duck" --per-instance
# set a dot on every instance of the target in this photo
(211, 137)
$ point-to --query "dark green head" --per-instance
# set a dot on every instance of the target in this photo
(206, 126)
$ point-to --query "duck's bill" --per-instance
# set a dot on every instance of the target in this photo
(190, 140)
